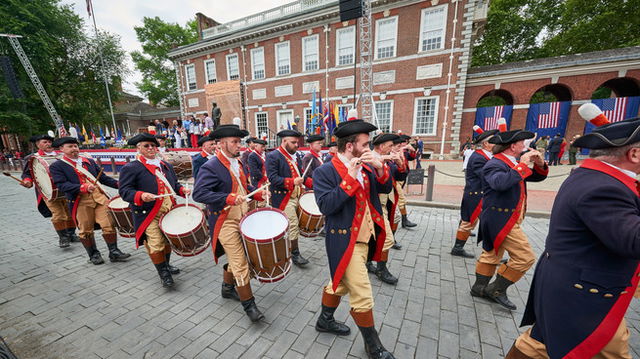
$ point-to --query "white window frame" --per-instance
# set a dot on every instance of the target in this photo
(304, 55)
(390, 112)
(353, 53)
(253, 63)
(227, 64)
(275, 48)
(206, 73)
(293, 118)
(255, 117)
(395, 43)
(443, 45)
(186, 76)
(435, 115)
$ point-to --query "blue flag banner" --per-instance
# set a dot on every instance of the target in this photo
(487, 117)
(616, 109)
(548, 118)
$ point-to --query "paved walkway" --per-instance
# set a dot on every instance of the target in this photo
(53, 304)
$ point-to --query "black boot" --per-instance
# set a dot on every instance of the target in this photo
(371, 268)
(372, 344)
(327, 323)
(115, 254)
(396, 245)
(406, 223)
(298, 259)
(252, 310)
(458, 250)
(497, 291)
(71, 232)
(477, 289)
(165, 275)
(94, 255)
(172, 269)
(228, 285)
(384, 275)
(64, 241)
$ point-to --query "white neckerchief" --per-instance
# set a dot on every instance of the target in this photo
(290, 159)
(489, 154)
(162, 149)
(513, 159)
(234, 164)
(155, 162)
(347, 164)
(50, 153)
(627, 172)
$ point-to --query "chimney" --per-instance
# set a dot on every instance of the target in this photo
(204, 22)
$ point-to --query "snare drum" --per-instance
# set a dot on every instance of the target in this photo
(181, 162)
(264, 236)
(42, 178)
(121, 216)
(310, 219)
(186, 229)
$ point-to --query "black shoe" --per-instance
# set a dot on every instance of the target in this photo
(458, 250)
(472, 234)
(298, 259)
(64, 241)
(477, 289)
(252, 310)
(371, 268)
(172, 269)
(497, 291)
(115, 254)
(504, 260)
(396, 245)
(71, 232)
(327, 324)
(406, 223)
(229, 292)
(96, 258)
(372, 344)
(165, 276)
(384, 275)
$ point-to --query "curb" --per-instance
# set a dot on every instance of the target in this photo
(533, 214)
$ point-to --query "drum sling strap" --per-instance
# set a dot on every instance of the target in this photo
(87, 174)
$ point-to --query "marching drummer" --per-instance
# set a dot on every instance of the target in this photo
(81, 180)
(149, 185)
(57, 209)
(285, 175)
(207, 152)
(313, 159)
(333, 150)
(255, 161)
(347, 192)
(222, 185)
(244, 158)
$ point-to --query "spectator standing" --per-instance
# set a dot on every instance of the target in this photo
(573, 151)
(554, 149)
(208, 122)
(542, 145)
(419, 150)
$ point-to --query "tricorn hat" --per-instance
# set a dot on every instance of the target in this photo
(64, 140)
(616, 134)
(353, 127)
(507, 137)
(223, 131)
(384, 137)
(143, 137)
(484, 136)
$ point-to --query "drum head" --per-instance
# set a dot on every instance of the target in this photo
(118, 203)
(181, 220)
(264, 224)
(308, 203)
(41, 176)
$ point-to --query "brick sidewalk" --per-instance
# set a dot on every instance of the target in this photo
(53, 304)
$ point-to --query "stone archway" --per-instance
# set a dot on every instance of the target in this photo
(618, 87)
(551, 93)
(496, 97)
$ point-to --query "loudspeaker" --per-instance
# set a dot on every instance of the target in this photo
(10, 77)
(350, 9)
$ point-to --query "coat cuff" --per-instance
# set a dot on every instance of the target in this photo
(288, 183)
(402, 168)
(523, 170)
(27, 179)
(258, 197)
(83, 188)
(137, 199)
(181, 192)
(231, 199)
(544, 170)
(349, 185)
(308, 182)
(385, 175)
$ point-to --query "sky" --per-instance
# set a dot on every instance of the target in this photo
(120, 16)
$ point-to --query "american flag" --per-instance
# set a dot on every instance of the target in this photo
(615, 108)
(549, 115)
(491, 122)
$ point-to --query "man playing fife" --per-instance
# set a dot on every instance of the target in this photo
(76, 177)
(149, 184)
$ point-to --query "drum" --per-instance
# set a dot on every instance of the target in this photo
(121, 217)
(181, 162)
(265, 239)
(186, 229)
(42, 179)
(310, 219)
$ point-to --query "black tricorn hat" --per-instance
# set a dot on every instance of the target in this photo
(353, 127)
(289, 133)
(223, 131)
(64, 140)
(332, 144)
(507, 137)
(204, 139)
(314, 138)
(616, 134)
(37, 138)
(250, 140)
(161, 137)
(259, 141)
(143, 137)
(483, 136)
(384, 137)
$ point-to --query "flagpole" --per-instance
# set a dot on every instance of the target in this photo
(104, 75)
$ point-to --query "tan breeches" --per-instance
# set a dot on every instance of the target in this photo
(231, 241)
(157, 244)
(389, 239)
(521, 256)
(60, 217)
(618, 347)
(92, 209)
(402, 199)
(355, 281)
(290, 211)
(464, 229)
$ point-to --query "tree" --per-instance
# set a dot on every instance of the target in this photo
(65, 59)
(158, 74)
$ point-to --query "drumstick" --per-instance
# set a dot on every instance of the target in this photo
(249, 195)
(306, 169)
(163, 195)
(186, 197)
(15, 178)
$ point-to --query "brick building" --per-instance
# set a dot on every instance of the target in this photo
(264, 68)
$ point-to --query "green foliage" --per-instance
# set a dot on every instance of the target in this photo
(542, 97)
(66, 60)
(601, 92)
(157, 38)
(491, 101)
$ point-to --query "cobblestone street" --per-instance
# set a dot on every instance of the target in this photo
(53, 304)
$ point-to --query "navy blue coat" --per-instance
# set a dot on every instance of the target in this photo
(588, 272)
(28, 176)
(336, 195)
(505, 195)
(281, 175)
(472, 197)
(315, 163)
(257, 169)
(197, 161)
(68, 181)
(136, 178)
(554, 144)
(397, 175)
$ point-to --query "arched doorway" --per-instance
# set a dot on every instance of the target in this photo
(492, 106)
(618, 87)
